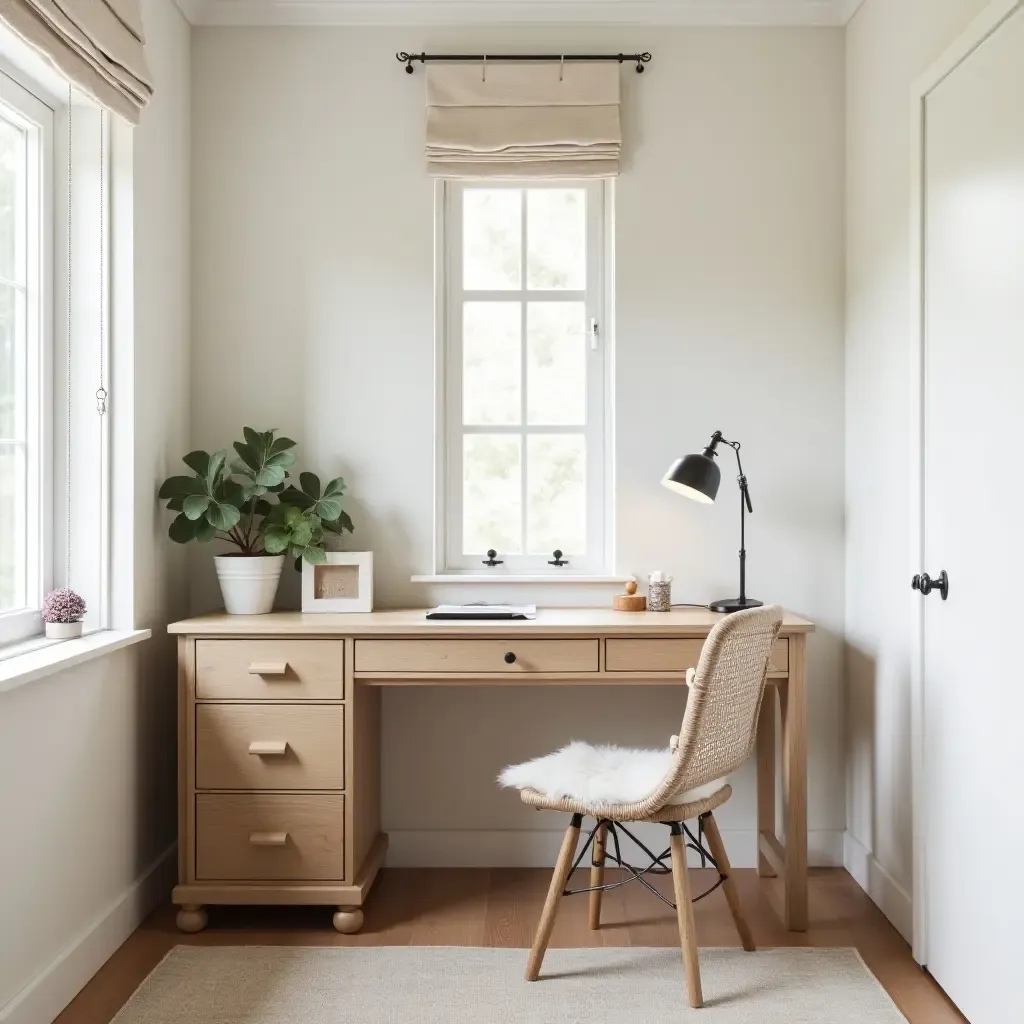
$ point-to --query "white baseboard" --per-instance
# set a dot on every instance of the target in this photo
(538, 848)
(891, 898)
(43, 998)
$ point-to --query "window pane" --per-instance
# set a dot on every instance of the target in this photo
(491, 493)
(492, 230)
(12, 200)
(556, 231)
(12, 527)
(556, 493)
(556, 370)
(491, 363)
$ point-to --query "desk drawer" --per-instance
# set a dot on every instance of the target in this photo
(268, 837)
(672, 655)
(270, 746)
(270, 669)
(444, 657)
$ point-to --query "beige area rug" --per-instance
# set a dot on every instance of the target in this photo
(458, 985)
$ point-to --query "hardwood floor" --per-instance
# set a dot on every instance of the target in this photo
(500, 907)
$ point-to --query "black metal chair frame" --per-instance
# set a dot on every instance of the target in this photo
(657, 865)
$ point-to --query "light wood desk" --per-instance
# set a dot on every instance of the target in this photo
(279, 726)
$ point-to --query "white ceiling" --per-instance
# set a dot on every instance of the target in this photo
(451, 12)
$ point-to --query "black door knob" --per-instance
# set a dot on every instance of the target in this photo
(924, 583)
(510, 658)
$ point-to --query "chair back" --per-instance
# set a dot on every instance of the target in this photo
(719, 727)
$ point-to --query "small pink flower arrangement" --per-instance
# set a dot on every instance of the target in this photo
(63, 605)
(63, 611)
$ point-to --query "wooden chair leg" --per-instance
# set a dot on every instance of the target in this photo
(558, 879)
(684, 914)
(732, 895)
(597, 874)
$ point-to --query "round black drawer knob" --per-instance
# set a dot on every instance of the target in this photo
(510, 658)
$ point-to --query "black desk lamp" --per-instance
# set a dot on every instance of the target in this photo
(698, 477)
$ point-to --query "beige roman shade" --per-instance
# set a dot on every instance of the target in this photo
(523, 120)
(96, 44)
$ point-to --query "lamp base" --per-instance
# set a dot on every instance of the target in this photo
(734, 604)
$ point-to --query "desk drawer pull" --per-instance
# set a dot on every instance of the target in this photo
(268, 838)
(268, 668)
(269, 748)
(510, 658)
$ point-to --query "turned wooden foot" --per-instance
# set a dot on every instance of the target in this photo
(348, 920)
(191, 918)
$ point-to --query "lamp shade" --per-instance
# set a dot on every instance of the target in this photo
(696, 476)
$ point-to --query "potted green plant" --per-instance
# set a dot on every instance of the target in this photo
(251, 505)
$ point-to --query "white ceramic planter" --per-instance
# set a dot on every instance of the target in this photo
(63, 630)
(248, 583)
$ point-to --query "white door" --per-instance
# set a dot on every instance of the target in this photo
(973, 517)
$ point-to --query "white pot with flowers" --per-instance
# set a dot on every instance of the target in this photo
(250, 505)
(63, 611)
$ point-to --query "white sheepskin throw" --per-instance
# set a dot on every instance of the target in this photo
(600, 776)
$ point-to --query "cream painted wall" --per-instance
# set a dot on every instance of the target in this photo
(312, 311)
(888, 45)
(87, 755)
(85, 817)
(162, 150)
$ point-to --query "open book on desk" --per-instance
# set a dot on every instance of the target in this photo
(483, 611)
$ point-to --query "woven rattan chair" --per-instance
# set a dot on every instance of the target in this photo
(717, 735)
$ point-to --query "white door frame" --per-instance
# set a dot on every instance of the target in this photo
(983, 26)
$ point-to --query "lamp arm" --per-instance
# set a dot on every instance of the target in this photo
(716, 439)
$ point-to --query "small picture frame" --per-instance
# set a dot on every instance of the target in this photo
(344, 583)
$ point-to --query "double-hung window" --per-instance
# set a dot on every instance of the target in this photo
(525, 467)
(26, 233)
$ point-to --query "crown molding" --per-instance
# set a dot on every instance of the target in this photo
(481, 12)
(191, 10)
(849, 9)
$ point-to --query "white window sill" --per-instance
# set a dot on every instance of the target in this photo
(36, 659)
(540, 578)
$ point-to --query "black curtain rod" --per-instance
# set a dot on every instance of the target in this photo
(407, 58)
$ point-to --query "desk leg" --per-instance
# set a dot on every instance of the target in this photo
(766, 777)
(793, 697)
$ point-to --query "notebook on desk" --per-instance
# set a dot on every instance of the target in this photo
(483, 611)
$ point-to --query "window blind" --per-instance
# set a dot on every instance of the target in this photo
(523, 120)
(96, 44)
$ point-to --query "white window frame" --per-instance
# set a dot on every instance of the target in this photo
(85, 519)
(449, 558)
(37, 118)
